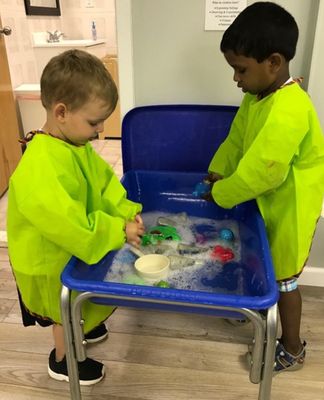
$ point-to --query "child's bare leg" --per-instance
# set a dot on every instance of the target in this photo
(58, 335)
(290, 307)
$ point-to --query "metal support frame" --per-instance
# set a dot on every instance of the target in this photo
(262, 360)
(69, 339)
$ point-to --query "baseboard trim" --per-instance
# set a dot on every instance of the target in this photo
(3, 239)
(312, 276)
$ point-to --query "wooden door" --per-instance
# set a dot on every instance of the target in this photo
(112, 126)
(10, 149)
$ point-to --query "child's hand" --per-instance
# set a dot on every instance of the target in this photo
(139, 219)
(134, 231)
(213, 177)
(208, 196)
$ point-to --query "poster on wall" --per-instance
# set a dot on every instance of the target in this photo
(221, 13)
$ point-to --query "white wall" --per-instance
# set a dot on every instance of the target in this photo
(316, 90)
(75, 22)
(166, 57)
(125, 55)
(176, 61)
(21, 57)
(316, 79)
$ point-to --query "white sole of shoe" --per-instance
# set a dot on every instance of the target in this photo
(98, 339)
(292, 368)
(61, 377)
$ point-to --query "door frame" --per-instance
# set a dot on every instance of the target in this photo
(10, 149)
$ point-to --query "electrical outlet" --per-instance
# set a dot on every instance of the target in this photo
(89, 3)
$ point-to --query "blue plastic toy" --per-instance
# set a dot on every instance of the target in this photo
(226, 234)
(201, 189)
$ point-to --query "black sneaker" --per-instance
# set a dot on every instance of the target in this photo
(97, 334)
(90, 371)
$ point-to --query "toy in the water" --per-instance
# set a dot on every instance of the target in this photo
(133, 279)
(226, 234)
(178, 262)
(200, 238)
(152, 267)
(164, 221)
(201, 188)
(162, 284)
(182, 218)
(184, 248)
(222, 254)
(205, 232)
(173, 220)
(158, 248)
(158, 233)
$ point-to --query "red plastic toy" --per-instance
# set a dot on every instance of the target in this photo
(222, 254)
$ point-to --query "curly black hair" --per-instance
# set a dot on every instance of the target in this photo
(261, 29)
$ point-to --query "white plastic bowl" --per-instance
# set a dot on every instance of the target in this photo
(152, 267)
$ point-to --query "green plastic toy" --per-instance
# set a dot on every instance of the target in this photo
(159, 233)
(162, 284)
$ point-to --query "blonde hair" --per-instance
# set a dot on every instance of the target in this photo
(74, 77)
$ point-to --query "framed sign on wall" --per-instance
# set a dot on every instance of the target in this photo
(41, 7)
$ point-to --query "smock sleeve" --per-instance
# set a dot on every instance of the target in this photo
(114, 196)
(229, 153)
(266, 163)
(66, 205)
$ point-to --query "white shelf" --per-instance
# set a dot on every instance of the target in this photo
(75, 43)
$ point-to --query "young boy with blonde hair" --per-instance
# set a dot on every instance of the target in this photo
(64, 201)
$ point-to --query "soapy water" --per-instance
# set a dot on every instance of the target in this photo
(206, 274)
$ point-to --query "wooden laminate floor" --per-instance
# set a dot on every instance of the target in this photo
(153, 355)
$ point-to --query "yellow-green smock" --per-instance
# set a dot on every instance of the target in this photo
(274, 153)
(63, 200)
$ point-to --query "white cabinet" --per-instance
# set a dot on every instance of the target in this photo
(32, 112)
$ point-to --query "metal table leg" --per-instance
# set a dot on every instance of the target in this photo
(77, 322)
(269, 353)
(261, 370)
(71, 360)
(259, 339)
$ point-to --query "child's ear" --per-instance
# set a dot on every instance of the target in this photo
(60, 111)
(276, 61)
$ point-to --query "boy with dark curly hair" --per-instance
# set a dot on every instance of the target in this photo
(274, 153)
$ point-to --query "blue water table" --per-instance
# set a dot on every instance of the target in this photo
(166, 151)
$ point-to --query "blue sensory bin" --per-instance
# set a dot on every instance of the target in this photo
(166, 152)
(174, 137)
